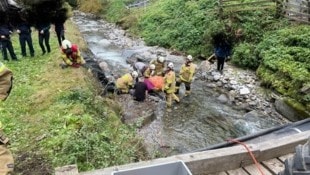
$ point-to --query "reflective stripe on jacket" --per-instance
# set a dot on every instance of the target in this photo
(187, 72)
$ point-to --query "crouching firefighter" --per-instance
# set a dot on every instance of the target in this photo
(126, 82)
(71, 55)
(6, 158)
(186, 74)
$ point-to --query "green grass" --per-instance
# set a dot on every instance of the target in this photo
(55, 117)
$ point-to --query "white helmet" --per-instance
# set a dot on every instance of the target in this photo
(152, 66)
(66, 44)
(161, 59)
(134, 74)
(170, 65)
(189, 58)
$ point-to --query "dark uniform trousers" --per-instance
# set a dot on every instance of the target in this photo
(23, 38)
(7, 45)
(44, 37)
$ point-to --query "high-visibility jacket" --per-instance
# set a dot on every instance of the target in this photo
(187, 72)
(73, 58)
(148, 73)
(159, 67)
(6, 81)
(124, 83)
(169, 80)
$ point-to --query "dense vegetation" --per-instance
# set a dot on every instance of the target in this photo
(189, 26)
(55, 117)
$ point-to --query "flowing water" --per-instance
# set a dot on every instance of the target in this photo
(200, 120)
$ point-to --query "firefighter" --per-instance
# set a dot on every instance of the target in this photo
(150, 71)
(169, 85)
(71, 55)
(159, 65)
(6, 158)
(126, 82)
(186, 74)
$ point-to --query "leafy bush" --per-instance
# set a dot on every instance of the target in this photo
(177, 24)
(285, 61)
(244, 56)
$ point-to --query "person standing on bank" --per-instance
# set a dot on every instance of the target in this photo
(24, 31)
(186, 74)
(222, 50)
(60, 31)
(6, 43)
(44, 36)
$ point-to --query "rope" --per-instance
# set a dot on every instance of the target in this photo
(251, 154)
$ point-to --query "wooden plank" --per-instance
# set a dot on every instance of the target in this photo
(252, 169)
(239, 171)
(283, 158)
(273, 165)
(67, 170)
(248, 9)
(220, 173)
(223, 159)
(282, 146)
(298, 19)
(297, 13)
(247, 3)
(295, 6)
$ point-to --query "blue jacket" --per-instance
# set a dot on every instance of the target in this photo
(222, 50)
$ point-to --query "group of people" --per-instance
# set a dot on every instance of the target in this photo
(24, 30)
(157, 76)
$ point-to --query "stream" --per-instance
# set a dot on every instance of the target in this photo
(198, 121)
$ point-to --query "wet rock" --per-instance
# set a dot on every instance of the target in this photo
(223, 98)
(244, 91)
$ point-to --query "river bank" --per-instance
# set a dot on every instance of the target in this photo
(220, 106)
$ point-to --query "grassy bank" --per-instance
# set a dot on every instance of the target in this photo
(55, 116)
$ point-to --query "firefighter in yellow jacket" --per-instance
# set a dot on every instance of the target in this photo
(186, 74)
(6, 158)
(169, 86)
(71, 55)
(159, 65)
(126, 82)
(150, 71)
(6, 79)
